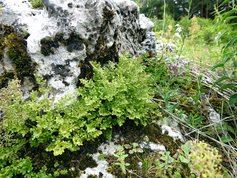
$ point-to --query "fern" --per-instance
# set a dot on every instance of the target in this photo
(116, 93)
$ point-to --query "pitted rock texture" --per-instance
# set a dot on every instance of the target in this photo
(65, 35)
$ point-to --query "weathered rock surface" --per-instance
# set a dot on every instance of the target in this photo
(65, 35)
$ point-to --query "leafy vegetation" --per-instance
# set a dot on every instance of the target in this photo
(203, 160)
(36, 3)
(114, 94)
(204, 58)
(193, 159)
(136, 90)
(192, 83)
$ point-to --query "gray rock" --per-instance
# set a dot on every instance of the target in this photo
(67, 34)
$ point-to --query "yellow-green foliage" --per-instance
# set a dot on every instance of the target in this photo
(116, 93)
(194, 28)
(36, 3)
(4, 31)
(10, 100)
(204, 159)
(169, 32)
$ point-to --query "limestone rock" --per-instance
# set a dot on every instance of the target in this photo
(65, 35)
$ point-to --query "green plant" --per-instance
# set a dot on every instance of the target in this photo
(165, 164)
(14, 130)
(184, 155)
(120, 159)
(22, 167)
(185, 23)
(194, 28)
(125, 91)
(201, 159)
(116, 92)
(208, 30)
(36, 3)
(195, 120)
(227, 80)
(204, 160)
(133, 148)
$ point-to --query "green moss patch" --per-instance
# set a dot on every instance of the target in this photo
(37, 3)
(15, 47)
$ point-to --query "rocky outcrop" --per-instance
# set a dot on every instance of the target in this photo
(58, 41)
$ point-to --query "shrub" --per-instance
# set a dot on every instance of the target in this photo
(13, 130)
(116, 92)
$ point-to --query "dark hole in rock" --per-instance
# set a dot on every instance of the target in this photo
(70, 5)
(86, 72)
(47, 45)
(66, 83)
(61, 70)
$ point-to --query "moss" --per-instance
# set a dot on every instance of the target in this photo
(37, 3)
(4, 31)
(204, 159)
(59, 37)
(86, 161)
(17, 52)
(102, 53)
(132, 133)
(86, 72)
(5, 78)
(155, 135)
(16, 48)
(1, 52)
(1, 48)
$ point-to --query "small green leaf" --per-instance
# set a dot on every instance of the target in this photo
(102, 157)
(226, 139)
(135, 145)
(127, 146)
(221, 80)
(185, 149)
(229, 86)
(183, 159)
(233, 100)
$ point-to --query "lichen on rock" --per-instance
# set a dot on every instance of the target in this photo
(67, 35)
